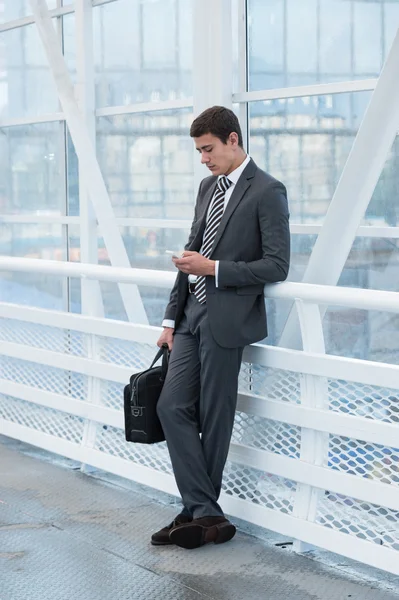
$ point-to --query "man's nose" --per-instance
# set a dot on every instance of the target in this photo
(204, 159)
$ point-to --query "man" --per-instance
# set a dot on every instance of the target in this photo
(239, 241)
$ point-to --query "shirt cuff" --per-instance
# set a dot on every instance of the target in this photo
(216, 272)
(168, 323)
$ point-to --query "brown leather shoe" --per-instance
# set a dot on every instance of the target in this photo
(161, 537)
(202, 531)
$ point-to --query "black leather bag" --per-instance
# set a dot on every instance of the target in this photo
(141, 396)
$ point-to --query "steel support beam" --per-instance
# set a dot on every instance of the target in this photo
(88, 164)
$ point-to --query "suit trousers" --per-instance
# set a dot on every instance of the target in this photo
(197, 407)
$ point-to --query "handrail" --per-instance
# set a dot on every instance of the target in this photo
(318, 294)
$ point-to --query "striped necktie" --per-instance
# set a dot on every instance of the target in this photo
(212, 225)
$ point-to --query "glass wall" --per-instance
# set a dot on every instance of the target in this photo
(142, 54)
(313, 41)
(305, 142)
(143, 58)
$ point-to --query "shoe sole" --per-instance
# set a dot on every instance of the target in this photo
(161, 543)
(193, 536)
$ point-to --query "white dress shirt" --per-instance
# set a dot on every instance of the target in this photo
(233, 177)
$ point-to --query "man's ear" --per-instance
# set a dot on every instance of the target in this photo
(233, 137)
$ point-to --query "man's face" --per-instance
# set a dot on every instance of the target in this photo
(218, 157)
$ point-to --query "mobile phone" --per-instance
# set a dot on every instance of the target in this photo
(174, 253)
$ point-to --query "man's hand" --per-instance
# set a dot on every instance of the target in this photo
(195, 263)
(166, 337)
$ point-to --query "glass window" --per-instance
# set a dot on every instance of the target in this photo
(44, 241)
(305, 143)
(147, 163)
(391, 22)
(32, 179)
(266, 44)
(383, 209)
(14, 9)
(335, 40)
(26, 85)
(151, 57)
(302, 42)
(367, 38)
(69, 43)
(302, 50)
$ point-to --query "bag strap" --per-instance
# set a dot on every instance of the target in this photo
(164, 352)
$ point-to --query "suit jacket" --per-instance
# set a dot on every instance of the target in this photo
(253, 246)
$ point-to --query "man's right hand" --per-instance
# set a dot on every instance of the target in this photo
(166, 337)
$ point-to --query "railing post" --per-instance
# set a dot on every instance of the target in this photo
(314, 394)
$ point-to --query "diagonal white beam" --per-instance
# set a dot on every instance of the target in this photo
(356, 185)
(88, 164)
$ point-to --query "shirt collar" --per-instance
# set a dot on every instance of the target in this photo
(235, 175)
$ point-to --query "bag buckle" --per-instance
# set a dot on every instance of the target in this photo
(137, 411)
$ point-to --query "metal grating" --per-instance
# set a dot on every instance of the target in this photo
(276, 384)
(370, 401)
(136, 355)
(49, 421)
(42, 377)
(64, 341)
(364, 459)
(111, 394)
(266, 434)
(112, 441)
(361, 519)
(258, 487)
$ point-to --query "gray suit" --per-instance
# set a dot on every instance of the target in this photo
(200, 390)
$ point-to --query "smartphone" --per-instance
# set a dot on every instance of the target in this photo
(175, 253)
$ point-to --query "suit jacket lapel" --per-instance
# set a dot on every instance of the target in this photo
(241, 187)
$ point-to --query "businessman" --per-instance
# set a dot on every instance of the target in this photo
(239, 241)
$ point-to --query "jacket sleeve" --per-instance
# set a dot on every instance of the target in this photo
(170, 311)
(274, 226)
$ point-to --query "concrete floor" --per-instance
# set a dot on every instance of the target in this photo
(65, 535)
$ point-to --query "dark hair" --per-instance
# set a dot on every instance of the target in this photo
(219, 121)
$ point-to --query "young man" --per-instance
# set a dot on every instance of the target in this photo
(239, 241)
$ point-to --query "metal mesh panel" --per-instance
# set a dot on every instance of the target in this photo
(361, 519)
(276, 384)
(364, 400)
(111, 394)
(266, 434)
(42, 336)
(364, 459)
(259, 487)
(136, 355)
(112, 441)
(50, 421)
(42, 377)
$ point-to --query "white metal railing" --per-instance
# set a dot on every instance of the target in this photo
(314, 453)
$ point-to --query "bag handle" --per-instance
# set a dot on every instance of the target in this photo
(164, 352)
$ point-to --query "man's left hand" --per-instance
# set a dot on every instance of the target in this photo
(195, 264)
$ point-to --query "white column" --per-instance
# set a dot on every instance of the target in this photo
(359, 178)
(88, 164)
(92, 303)
(212, 62)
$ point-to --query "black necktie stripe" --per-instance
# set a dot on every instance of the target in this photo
(215, 217)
